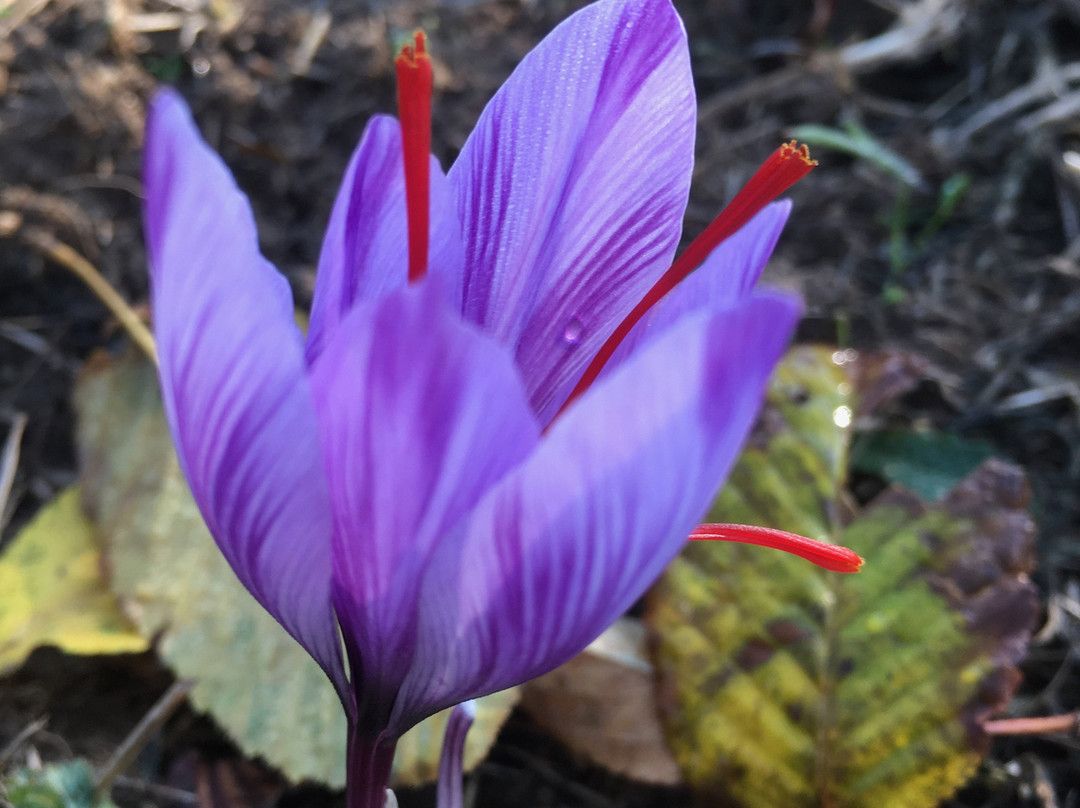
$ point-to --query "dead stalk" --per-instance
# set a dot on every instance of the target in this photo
(61, 253)
(1045, 725)
(137, 738)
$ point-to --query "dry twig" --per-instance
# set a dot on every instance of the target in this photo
(1045, 725)
(1043, 87)
(137, 738)
(25, 734)
(314, 35)
(9, 462)
(67, 257)
(20, 11)
(923, 28)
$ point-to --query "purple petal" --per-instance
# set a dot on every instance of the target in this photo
(452, 760)
(365, 252)
(420, 415)
(727, 276)
(233, 382)
(571, 538)
(733, 269)
(573, 186)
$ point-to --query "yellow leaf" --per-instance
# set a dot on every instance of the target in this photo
(54, 592)
(784, 685)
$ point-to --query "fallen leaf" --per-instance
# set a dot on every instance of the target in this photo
(256, 681)
(602, 705)
(785, 685)
(53, 590)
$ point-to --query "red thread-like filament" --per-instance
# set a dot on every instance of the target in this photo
(827, 556)
(784, 167)
(414, 110)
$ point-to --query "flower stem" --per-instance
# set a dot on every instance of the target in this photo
(367, 771)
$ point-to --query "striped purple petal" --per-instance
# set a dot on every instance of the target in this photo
(420, 415)
(725, 278)
(568, 540)
(365, 250)
(573, 185)
(234, 384)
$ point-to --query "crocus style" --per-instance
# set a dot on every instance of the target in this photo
(400, 473)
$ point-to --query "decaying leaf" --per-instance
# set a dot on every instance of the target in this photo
(602, 705)
(785, 685)
(53, 592)
(175, 584)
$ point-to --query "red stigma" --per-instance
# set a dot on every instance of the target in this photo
(785, 166)
(414, 109)
(827, 556)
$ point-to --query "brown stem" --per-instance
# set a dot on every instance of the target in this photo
(68, 258)
(137, 738)
(1044, 725)
(9, 462)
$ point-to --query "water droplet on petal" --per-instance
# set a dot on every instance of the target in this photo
(572, 332)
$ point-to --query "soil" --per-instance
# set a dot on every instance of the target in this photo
(985, 93)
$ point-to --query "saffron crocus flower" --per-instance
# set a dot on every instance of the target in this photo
(468, 476)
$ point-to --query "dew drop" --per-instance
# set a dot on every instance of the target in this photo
(844, 357)
(842, 417)
(572, 332)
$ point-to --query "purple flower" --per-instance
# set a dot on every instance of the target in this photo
(400, 476)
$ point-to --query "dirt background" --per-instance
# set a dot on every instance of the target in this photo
(283, 89)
